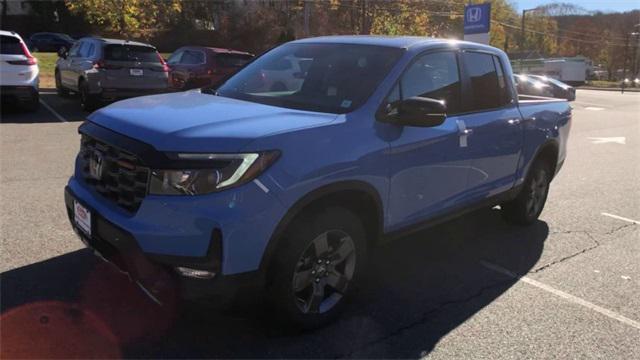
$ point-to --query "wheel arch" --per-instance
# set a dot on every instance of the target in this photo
(549, 152)
(358, 196)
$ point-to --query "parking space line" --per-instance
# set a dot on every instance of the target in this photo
(564, 295)
(55, 113)
(621, 218)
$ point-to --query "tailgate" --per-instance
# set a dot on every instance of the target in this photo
(133, 75)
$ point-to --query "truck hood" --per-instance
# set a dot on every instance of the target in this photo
(195, 122)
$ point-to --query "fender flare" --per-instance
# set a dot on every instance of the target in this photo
(311, 197)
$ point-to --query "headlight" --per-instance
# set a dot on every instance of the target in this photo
(214, 172)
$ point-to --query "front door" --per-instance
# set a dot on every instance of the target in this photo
(428, 165)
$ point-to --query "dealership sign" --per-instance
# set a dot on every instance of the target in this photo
(477, 22)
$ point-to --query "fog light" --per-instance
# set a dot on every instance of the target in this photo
(195, 273)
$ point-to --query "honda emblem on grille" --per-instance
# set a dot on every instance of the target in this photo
(96, 164)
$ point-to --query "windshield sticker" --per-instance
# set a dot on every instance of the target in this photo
(332, 91)
(345, 103)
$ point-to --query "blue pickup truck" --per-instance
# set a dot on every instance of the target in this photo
(288, 187)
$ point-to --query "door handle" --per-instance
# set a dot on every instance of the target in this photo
(513, 121)
(467, 131)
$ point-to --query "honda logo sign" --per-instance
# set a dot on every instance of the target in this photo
(477, 18)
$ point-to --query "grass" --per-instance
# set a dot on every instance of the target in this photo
(47, 64)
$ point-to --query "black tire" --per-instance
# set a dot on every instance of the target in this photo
(88, 102)
(297, 261)
(62, 92)
(527, 206)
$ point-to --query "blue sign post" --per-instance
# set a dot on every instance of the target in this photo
(477, 22)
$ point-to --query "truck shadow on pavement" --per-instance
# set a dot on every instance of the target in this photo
(417, 290)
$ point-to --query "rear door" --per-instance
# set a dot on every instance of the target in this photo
(132, 67)
(82, 60)
(68, 76)
(492, 124)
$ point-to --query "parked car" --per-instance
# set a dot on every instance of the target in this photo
(283, 74)
(195, 66)
(558, 88)
(288, 191)
(108, 69)
(49, 41)
(19, 73)
(527, 85)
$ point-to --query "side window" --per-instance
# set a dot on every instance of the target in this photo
(433, 76)
(483, 77)
(175, 58)
(192, 57)
(92, 51)
(84, 50)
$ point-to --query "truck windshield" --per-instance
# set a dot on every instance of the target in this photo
(334, 78)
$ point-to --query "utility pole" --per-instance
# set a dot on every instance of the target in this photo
(522, 36)
(363, 19)
(624, 63)
(307, 11)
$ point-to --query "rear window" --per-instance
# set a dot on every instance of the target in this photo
(489, 91)
(131, 53)
(232, 60)
(10, 45)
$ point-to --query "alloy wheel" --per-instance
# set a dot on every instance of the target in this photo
(324, 271)
(537, 193)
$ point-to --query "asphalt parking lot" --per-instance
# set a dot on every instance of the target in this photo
(566, 287)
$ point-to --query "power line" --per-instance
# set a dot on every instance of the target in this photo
(556, 35)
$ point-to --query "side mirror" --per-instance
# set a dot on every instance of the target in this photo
(63, 53)
(421, 111)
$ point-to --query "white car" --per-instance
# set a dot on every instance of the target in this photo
(18, 71)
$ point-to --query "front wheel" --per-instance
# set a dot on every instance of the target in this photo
(526, 208)
(317, 267)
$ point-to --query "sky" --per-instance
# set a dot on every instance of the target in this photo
(592, 5)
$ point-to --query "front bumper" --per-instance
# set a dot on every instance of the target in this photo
(155, 273)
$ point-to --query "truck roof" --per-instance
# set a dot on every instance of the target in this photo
(403, 42)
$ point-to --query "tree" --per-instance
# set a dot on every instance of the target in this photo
(127, 18)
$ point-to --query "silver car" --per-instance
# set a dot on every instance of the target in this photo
(102, 70)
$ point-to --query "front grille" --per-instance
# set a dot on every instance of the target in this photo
(123, 177)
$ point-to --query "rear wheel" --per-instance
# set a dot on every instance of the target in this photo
(317, 268)
(88, 102)
(526, 208)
